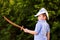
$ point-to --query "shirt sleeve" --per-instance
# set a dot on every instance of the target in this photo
(38, 28)
(48, 28)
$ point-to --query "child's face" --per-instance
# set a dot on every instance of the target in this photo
(45, 17)
(40, 17)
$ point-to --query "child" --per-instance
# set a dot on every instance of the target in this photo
(42, 30)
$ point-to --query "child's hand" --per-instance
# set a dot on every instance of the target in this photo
(26, 30)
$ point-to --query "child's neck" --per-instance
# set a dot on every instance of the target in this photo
(41, 19)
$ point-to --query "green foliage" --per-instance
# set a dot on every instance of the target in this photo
(22, 12)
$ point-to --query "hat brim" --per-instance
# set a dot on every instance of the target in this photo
(39, 14)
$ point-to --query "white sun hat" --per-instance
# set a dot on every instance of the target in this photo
(41, 11)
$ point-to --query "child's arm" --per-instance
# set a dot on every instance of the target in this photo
(48, 36)
(35, 32)
(29, 31)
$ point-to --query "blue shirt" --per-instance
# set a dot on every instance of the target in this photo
(42, 27)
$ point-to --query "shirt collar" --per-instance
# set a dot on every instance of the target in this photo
(41, 20)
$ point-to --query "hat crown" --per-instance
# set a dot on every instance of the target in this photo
(42, 10)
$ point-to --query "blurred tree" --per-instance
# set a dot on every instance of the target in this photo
(22, 12)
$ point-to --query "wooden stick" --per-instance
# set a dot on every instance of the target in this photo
(21, 27)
